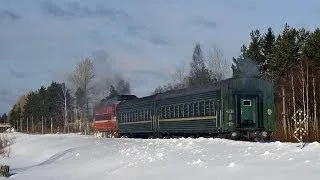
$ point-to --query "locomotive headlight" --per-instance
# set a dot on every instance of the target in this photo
(264, 134)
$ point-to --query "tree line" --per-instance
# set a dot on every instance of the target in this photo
(55, 107)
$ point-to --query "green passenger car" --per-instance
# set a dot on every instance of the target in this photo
(233, 108)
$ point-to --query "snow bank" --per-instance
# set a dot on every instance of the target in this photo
(75, 156)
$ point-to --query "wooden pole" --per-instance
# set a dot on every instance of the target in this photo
(27, 125)
(32, 124)
(51, 126)
(21, 124)
(42, 124)
(284, 113)
(315, 125)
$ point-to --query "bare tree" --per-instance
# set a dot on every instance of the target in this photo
(82, 79)
(64, 91)
(179, 80)
(217, 63)
(179, 77)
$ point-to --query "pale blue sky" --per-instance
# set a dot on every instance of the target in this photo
(41, 40)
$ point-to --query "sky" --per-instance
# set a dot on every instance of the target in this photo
(42, 40)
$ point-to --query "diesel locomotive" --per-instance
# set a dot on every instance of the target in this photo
(236, 108)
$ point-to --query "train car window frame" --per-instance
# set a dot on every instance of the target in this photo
(142, 114)
(147, 114)
(135, 115)
(246, 100)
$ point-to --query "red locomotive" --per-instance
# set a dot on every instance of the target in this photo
(105, 121)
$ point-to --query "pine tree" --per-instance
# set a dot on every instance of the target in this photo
(267, 46)
(254, 51)
(312, 48)
(199, 74)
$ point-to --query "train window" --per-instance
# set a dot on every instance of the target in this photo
(211, 107)
(186, 110)
(162, 114)
(201, 108)
(171, 111)
(135, 115)
(167, 112)
(207, 108)
(246, 102)
(141, 114)
(181, 111)
(176, 109)
(147, 114)
(196, 109)
(191, 111)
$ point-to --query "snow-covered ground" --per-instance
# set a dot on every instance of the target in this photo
(86, 157)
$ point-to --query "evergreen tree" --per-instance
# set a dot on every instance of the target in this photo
(199, 74)
(312, 48)
(285, 52)
(267, 46)
(254, 51)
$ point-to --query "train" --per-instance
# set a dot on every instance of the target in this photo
(238, 108)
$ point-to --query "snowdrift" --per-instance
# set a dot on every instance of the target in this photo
(76, 156)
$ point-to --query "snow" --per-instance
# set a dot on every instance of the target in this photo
(76, 156)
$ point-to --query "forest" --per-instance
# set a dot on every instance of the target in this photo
(289, 59)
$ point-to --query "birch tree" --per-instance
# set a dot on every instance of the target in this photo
(82, 78)
(217, 63)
